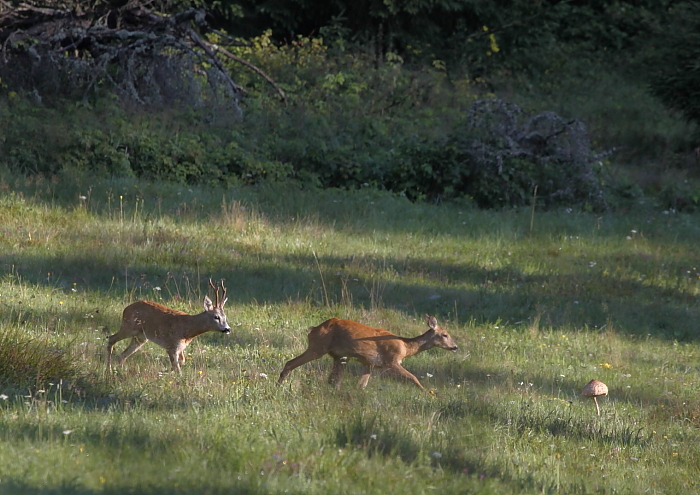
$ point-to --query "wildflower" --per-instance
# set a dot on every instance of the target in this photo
(67, 432)
(606, 366)
(263, 375)
(3, 397)
(436, 455)
(428, 375)
(373, 437)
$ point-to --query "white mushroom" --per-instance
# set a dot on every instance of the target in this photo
(594, 389)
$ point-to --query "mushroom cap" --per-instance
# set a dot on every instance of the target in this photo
(595, 388)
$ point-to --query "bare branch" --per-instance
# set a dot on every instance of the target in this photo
(251, 67)
(206, 47)
(142, 54)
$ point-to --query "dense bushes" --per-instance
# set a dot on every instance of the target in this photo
(493, 154)
(353, 120)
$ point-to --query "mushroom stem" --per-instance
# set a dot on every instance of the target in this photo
(596, 406)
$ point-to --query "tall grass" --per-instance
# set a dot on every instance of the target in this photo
(537, 311)
(30, 363)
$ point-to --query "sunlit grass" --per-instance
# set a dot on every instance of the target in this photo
(537, 314)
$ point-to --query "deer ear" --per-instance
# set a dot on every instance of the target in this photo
(208, 305)
(431, 321)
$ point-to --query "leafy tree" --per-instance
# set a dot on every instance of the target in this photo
(675, 63)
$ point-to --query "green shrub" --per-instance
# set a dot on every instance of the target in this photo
(352, 121)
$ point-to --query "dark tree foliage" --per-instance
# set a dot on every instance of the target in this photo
(675, 64)
(451, 30)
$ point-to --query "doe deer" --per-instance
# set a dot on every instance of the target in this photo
(169, 328)
(373, 347)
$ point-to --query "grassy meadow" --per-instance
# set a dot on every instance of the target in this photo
(539, 302)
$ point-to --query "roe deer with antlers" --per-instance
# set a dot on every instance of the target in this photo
(373, 347)
(171, 329)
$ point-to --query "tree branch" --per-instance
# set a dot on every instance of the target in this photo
(206, 47)
(252, 67)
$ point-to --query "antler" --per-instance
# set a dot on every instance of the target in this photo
(216, 290)
(223, 296)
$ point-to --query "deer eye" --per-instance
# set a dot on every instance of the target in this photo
(217, 318)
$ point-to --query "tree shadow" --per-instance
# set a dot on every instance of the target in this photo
(507, 294)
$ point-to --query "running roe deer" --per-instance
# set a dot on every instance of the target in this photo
(373, 347)
(169, 328)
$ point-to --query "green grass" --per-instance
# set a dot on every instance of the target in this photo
(537, 313)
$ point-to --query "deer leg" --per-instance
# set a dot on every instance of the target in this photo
(366, 373)
(174, 355)
(400, 370)
(110, 345)
(305, 357)
(136, 344)
(113, 339)
(177, 357)
(337, 372)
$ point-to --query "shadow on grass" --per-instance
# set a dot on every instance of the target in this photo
(590, 299)
(377, 437)
(18, 487)
(528, 418)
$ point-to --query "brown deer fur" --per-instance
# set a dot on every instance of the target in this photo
(171, 329)
(373, 347)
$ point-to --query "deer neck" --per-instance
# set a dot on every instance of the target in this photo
(197, 325)
(418, 344)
